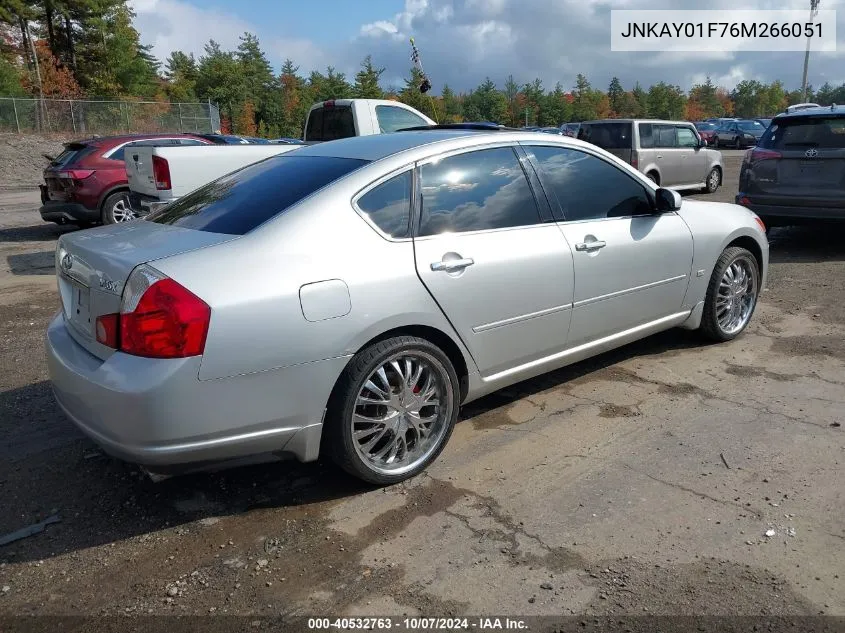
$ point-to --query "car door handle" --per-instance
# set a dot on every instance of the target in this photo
(451, 265)
(590, 246)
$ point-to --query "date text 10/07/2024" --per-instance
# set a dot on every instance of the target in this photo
(418, 624)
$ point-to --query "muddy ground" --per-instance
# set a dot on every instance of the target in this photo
(643, 481)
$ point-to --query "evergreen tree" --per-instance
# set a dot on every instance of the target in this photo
(367, 81)
(219, 79)
(615, 93)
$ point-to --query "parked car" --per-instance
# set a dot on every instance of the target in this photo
(795, 173)
(287, 141)
(343, 118)
(764, 122)
(551, 130)
(705, 130)
(256, 315)
(570, 129)
(87, 183)
(232, 139)
(738, 134)
(671, 153)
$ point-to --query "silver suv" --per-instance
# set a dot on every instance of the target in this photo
(671, 153)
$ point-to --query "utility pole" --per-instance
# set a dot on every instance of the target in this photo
(814, 11)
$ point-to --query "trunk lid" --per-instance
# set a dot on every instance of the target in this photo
(92, 267)
(802, 157)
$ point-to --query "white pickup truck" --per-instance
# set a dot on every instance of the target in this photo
(160, 175)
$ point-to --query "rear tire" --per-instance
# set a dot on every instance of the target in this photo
(116, 209)
(392, 410)
(653, 177)
(731, 295)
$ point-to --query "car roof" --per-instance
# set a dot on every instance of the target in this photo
(123, 138)
(831, 110)
(666, 121)
(378, 146)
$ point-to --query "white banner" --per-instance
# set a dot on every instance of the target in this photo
(722, 31)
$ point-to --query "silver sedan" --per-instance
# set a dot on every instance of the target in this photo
(346, 299)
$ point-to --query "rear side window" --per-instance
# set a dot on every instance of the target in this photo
(237, 203)
(389, 205)
(391, 118)
(646, 135)
(805, 132)
(608, 135)
(328, 124)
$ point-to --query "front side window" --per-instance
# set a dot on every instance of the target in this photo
(388, 205)
(239, 202)
(686, 137)
(391, 118)
(476, 191)
(589, 188)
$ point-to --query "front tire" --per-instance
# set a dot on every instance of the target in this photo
(714, 179)
(731, 295)
(116, 209)
(392, 411)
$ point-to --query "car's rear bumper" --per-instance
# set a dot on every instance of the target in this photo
(61, 212)
(143, 204)
(790, 212)
(157, 413)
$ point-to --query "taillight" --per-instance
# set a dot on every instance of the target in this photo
(160, 318)
(75, 174)
(635, 160)
(745, 201)
(161, 172)
(108, 327)
(756, 154)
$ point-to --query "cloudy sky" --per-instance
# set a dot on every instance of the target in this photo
(464, 41)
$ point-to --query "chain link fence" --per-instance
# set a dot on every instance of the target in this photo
(80, 116)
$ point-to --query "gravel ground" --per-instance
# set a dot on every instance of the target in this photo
(667, 477)
(22, 160)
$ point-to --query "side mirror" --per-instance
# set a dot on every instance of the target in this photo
(668, 200)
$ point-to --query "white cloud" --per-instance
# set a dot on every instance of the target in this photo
(464, 41)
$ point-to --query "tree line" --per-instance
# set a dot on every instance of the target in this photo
(90, 48)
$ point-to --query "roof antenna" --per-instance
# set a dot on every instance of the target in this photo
(425, 84)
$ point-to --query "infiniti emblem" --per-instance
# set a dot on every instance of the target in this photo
(67, 262)
(811, 153)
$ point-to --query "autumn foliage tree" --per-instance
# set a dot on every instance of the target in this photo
(245, 123)
(57, 81)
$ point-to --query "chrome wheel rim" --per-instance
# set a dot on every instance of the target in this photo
(737, 295)
(121, 212)
(714, 179)
(401, 412)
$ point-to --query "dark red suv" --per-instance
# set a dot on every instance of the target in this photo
(86, 184)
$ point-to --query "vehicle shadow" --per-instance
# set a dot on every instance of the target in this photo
(38, 263)
(811, 243)
(670, 342)
(48, 468)
(35, 232)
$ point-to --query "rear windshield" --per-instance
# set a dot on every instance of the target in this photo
(328, 124)
(607, 135)
(72, 153)
(803, 132)
(237, 203)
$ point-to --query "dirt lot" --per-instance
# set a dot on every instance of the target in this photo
(642, 481)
